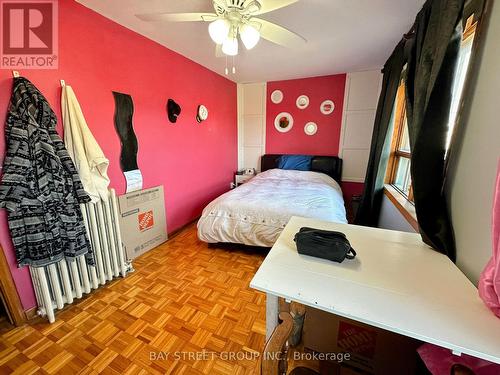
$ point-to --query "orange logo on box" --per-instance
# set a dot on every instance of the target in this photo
(146, 220)
(355, 339)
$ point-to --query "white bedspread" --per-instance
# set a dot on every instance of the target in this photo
(256, 212)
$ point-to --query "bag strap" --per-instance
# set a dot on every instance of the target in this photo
(351, 254)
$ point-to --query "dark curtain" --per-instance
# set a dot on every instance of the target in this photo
(432, 58)
(371, 201)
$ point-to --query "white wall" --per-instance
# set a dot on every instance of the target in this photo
(474, 163)
(251, 124)
(360, 105)
(391, 218)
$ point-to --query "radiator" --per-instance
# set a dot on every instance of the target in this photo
(59, 284)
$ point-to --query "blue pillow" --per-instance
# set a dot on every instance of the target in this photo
(295, 162)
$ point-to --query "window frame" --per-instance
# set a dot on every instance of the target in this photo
(396, 154)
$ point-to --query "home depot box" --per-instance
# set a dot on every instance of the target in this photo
(371, 349)
(142, 220)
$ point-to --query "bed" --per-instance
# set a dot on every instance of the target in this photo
(256, 212)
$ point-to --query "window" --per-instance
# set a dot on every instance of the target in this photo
(398, 170)
(399, 164)
(461, 74)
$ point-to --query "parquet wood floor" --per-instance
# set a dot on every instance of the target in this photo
(182, 299)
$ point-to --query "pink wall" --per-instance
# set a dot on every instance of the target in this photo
(352, 188)
(195, 162)
(318, 89)
(326, 140)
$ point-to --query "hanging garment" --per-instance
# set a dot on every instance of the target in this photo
(40, 187)
(489, 282)
(88, 157)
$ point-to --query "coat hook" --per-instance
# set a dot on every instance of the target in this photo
(63, 83)
(15, 73)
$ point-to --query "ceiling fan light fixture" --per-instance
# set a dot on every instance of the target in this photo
(230, 46)
(249, 35)
(219, 30)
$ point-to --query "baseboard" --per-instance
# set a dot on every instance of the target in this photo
(177, 231)
(31, 313)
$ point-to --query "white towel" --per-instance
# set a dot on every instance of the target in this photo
(88, 157)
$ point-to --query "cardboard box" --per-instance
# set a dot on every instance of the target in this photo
(142, 220)
(372, 350)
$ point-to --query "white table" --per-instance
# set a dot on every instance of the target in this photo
(396, 283)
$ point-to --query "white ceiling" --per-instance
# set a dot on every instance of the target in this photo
(343, 35)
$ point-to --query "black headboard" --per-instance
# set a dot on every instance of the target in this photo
(330, 165)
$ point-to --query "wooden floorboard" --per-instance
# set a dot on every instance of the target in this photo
(183, 301)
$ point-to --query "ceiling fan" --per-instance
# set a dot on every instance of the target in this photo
(233, 18)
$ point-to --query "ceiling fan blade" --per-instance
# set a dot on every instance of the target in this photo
(272, 5)
(278, 34)
(178, 17)
(218, 51)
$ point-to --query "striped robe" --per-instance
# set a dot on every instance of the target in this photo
(40, 187)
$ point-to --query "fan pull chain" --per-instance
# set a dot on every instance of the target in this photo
(233, 69)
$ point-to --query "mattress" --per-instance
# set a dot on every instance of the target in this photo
(256, 212)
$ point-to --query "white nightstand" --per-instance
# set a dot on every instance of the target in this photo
(242, 178)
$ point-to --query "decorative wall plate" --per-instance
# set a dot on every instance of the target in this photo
(283, 122)
(327, 107)
(277, 96)
(302, 102)
(202, 114)
(310, 128)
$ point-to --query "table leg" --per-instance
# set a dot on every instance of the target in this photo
(272, 312)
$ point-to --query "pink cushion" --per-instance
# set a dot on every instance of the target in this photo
(439, 361)
(489, 282)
